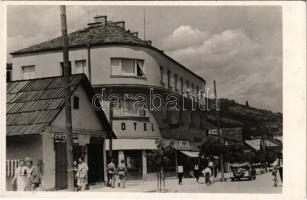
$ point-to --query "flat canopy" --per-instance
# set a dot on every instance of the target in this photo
(192, 154)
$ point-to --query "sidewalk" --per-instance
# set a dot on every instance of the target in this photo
(262, 184)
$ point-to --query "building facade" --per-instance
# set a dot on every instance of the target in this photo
(36, 129)
(125, 70)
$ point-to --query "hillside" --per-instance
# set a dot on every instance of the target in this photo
(255, 122)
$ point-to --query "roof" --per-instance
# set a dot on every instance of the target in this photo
(32, 105)
(96, 35)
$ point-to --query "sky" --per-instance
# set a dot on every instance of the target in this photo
(238, 46)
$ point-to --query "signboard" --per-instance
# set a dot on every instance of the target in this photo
(214, 131)
(60, 137)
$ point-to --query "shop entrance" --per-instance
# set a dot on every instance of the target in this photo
(95, 161)
(134, 164)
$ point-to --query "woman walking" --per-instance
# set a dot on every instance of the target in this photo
(122, 173)
(20, 176)
(180, 174)
(82, 174)
(196, 172)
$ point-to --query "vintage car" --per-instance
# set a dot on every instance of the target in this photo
(242, 171)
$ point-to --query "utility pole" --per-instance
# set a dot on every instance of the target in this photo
(219, 130)
(69, 155)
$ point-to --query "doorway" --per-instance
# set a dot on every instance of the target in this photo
(60, 166)
(95, 162)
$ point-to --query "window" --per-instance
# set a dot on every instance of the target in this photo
(188, 86)
(161, 75)
(81, 67)
(127, 108)
(76, 102)
(169, 79)
(176, 80)
(127, 67)
(27, 72)
(62, 67)
(193, 89)
(181, 85)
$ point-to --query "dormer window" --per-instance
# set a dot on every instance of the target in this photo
(127, 67)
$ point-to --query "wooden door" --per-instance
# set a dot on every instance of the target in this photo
(60, 166)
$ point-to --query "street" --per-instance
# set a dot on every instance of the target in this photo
(262, 184)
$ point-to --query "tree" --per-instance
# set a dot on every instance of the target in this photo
(213, 146)
(162, 156)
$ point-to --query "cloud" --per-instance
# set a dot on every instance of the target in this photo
(242, 67)
(183, 37)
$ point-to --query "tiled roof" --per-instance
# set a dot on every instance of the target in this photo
(32, 105)
(92, 35)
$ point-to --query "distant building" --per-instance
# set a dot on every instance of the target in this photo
(117, 62)
(35, 128)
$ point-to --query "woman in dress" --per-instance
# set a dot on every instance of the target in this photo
(20, 176)
(82, 174)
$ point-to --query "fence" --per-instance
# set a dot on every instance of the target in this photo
(11, 166)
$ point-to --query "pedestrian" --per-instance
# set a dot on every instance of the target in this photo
(20, 177)
(211, 166)
(75, 170)
(82, 174)
(280, 164)
(196, 172)
(207, 174)
(180, 173)
(34, 176)
(215, 168)
(111, 171)
(122, 173)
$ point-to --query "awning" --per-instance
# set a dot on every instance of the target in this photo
(192, 154)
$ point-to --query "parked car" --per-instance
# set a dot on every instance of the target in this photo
(242, 171)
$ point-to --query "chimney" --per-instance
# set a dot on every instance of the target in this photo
(101, 19)
(120, 23)
(136, 34)
(148, 42)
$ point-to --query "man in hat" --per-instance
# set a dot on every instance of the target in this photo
(34, 175)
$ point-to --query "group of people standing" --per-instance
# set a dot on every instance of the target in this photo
(80, 174)
(209, 171)
(27, 176)
(113, 171)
